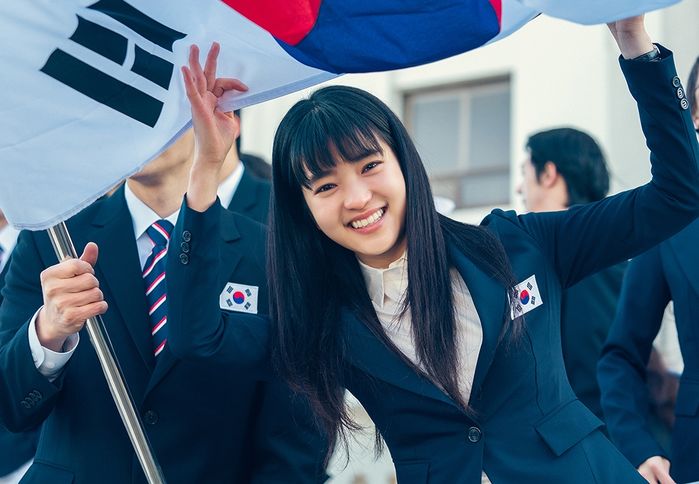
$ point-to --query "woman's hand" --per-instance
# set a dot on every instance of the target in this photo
(631, 37)
(214, 130)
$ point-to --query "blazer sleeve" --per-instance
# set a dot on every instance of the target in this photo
(587, 238)
(289, 446)
(26, 396)
(621, 371)
(198, 328)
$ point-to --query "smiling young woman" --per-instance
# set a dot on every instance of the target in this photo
(449, 334)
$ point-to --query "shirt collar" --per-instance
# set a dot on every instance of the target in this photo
(141, 214)
(390, 283)
(227, 188)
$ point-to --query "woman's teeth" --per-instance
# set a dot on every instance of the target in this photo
(371, 219)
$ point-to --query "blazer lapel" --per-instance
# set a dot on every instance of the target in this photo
(120, 268)
(489, 298)
(369, 354)
(684, 249)
(230, 256)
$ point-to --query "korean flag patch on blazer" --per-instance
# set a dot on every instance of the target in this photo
(528, 297)
(239, 297)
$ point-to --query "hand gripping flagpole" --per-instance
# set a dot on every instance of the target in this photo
(64, 248)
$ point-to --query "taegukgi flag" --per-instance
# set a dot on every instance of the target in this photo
(90, 89)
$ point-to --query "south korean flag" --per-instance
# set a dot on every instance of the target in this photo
(91, 91)
(527, 297)
(239, 298)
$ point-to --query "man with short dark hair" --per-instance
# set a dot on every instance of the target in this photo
(566, 167)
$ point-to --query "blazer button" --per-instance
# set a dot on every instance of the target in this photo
(26, 404)
(676, 81)
(185, 247)
(474, 434)
(684, 104)
(187, 235)
(151, 417)
(184, 259)
(680, 93)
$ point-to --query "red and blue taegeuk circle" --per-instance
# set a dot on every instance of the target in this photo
(524, 297)
(238, 297)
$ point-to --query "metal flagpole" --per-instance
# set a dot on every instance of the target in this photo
(63, 245)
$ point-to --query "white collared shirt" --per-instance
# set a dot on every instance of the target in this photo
(388, 287)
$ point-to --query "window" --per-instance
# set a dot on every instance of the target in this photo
(463, 136)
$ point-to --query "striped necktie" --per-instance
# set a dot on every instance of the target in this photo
(154, 278)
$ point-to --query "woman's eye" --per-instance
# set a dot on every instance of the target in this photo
(370, 166)
(325, 188)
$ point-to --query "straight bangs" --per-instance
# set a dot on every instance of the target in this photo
(328, 134)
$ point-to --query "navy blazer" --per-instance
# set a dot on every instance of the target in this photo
(251, 197)
(528, 425)
(587, 313)
(16, 449)
(667, 272)
(204, 426)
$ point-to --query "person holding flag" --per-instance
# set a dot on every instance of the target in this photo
(448, 334)
(203, 425)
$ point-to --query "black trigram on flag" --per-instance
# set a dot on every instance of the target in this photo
(104, 88)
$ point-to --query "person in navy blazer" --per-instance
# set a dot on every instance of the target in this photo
(566, 167)
(344, 172)
(16, 449)
(668, 272)
(204, 425)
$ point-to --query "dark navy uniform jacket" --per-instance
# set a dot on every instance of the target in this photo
(528, 425)
(251, 197)
(667, 272)
(16, 449)
(205, 424)
(587, 313)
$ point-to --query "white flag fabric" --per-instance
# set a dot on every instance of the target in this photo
(91, 89)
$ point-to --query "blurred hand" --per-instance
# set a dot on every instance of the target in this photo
(631, 36)
(71, 295)
(656, 470)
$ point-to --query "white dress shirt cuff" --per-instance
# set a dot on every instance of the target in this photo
(48, 362)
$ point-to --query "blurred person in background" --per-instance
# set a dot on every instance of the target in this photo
(567, 167)
(667, 272)
(250, 181)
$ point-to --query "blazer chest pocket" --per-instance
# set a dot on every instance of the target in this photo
(566, 426)
(412, 472)
(41, 473)
(687, 399)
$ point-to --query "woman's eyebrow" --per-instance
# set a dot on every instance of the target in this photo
(319, 175)
(365, 154)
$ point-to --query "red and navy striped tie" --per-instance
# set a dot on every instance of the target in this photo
(154, 278)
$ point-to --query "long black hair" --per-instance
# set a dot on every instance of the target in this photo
(312, 278)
